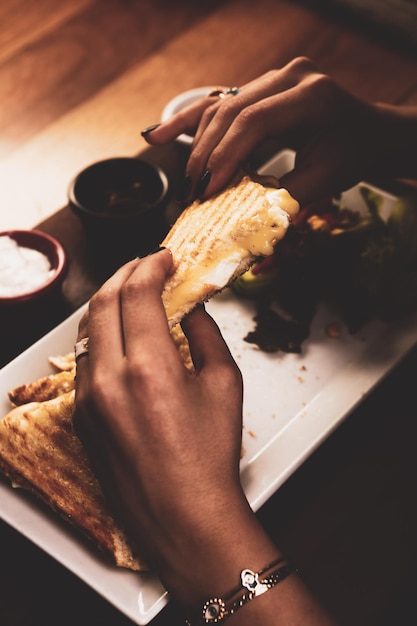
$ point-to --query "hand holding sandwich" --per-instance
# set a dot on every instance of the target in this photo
(166, 446)
(339, 138)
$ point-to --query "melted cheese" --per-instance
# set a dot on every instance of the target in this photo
(257, 237)
(284, 199)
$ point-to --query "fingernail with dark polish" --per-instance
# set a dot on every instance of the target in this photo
(148, 130)
(202, 184)
(184, 190)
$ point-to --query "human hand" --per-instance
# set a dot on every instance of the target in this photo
(165, 443)
(339, 138)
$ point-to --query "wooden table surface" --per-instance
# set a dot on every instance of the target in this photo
(79, 79)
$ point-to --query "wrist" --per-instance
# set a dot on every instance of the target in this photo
(251, 585)
(210, 550)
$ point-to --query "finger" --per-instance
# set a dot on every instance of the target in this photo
(185, 121)
(207, 346)
(106, 341)
(102, 331)
(102, 325)
(145, 323)
(216, 372)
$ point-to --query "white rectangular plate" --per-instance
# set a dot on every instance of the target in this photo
(292, 403)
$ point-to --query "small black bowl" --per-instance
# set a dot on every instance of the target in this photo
(121, 202)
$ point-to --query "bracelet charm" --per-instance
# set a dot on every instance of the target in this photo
(250, 580)
(217, 610)
(214, 610)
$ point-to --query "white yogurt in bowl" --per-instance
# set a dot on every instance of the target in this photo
(32, 264)
(22, 269)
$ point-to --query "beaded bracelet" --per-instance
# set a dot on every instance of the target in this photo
(218, 610)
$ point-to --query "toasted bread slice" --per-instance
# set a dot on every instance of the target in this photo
(63, 362)
(50, 386)
(44, 388)
(40, 451)
(215, 241)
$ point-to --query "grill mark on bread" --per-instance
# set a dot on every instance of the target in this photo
(44, 388)
(40, 451)
(220, 237)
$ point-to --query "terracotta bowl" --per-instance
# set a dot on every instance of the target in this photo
(25, 291)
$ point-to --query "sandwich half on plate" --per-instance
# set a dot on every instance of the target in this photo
(40, 452)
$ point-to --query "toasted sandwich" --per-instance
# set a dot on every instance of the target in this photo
(40, 452)
(215, 241)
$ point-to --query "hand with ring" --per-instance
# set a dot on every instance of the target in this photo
(339, 139)
(166, 445)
